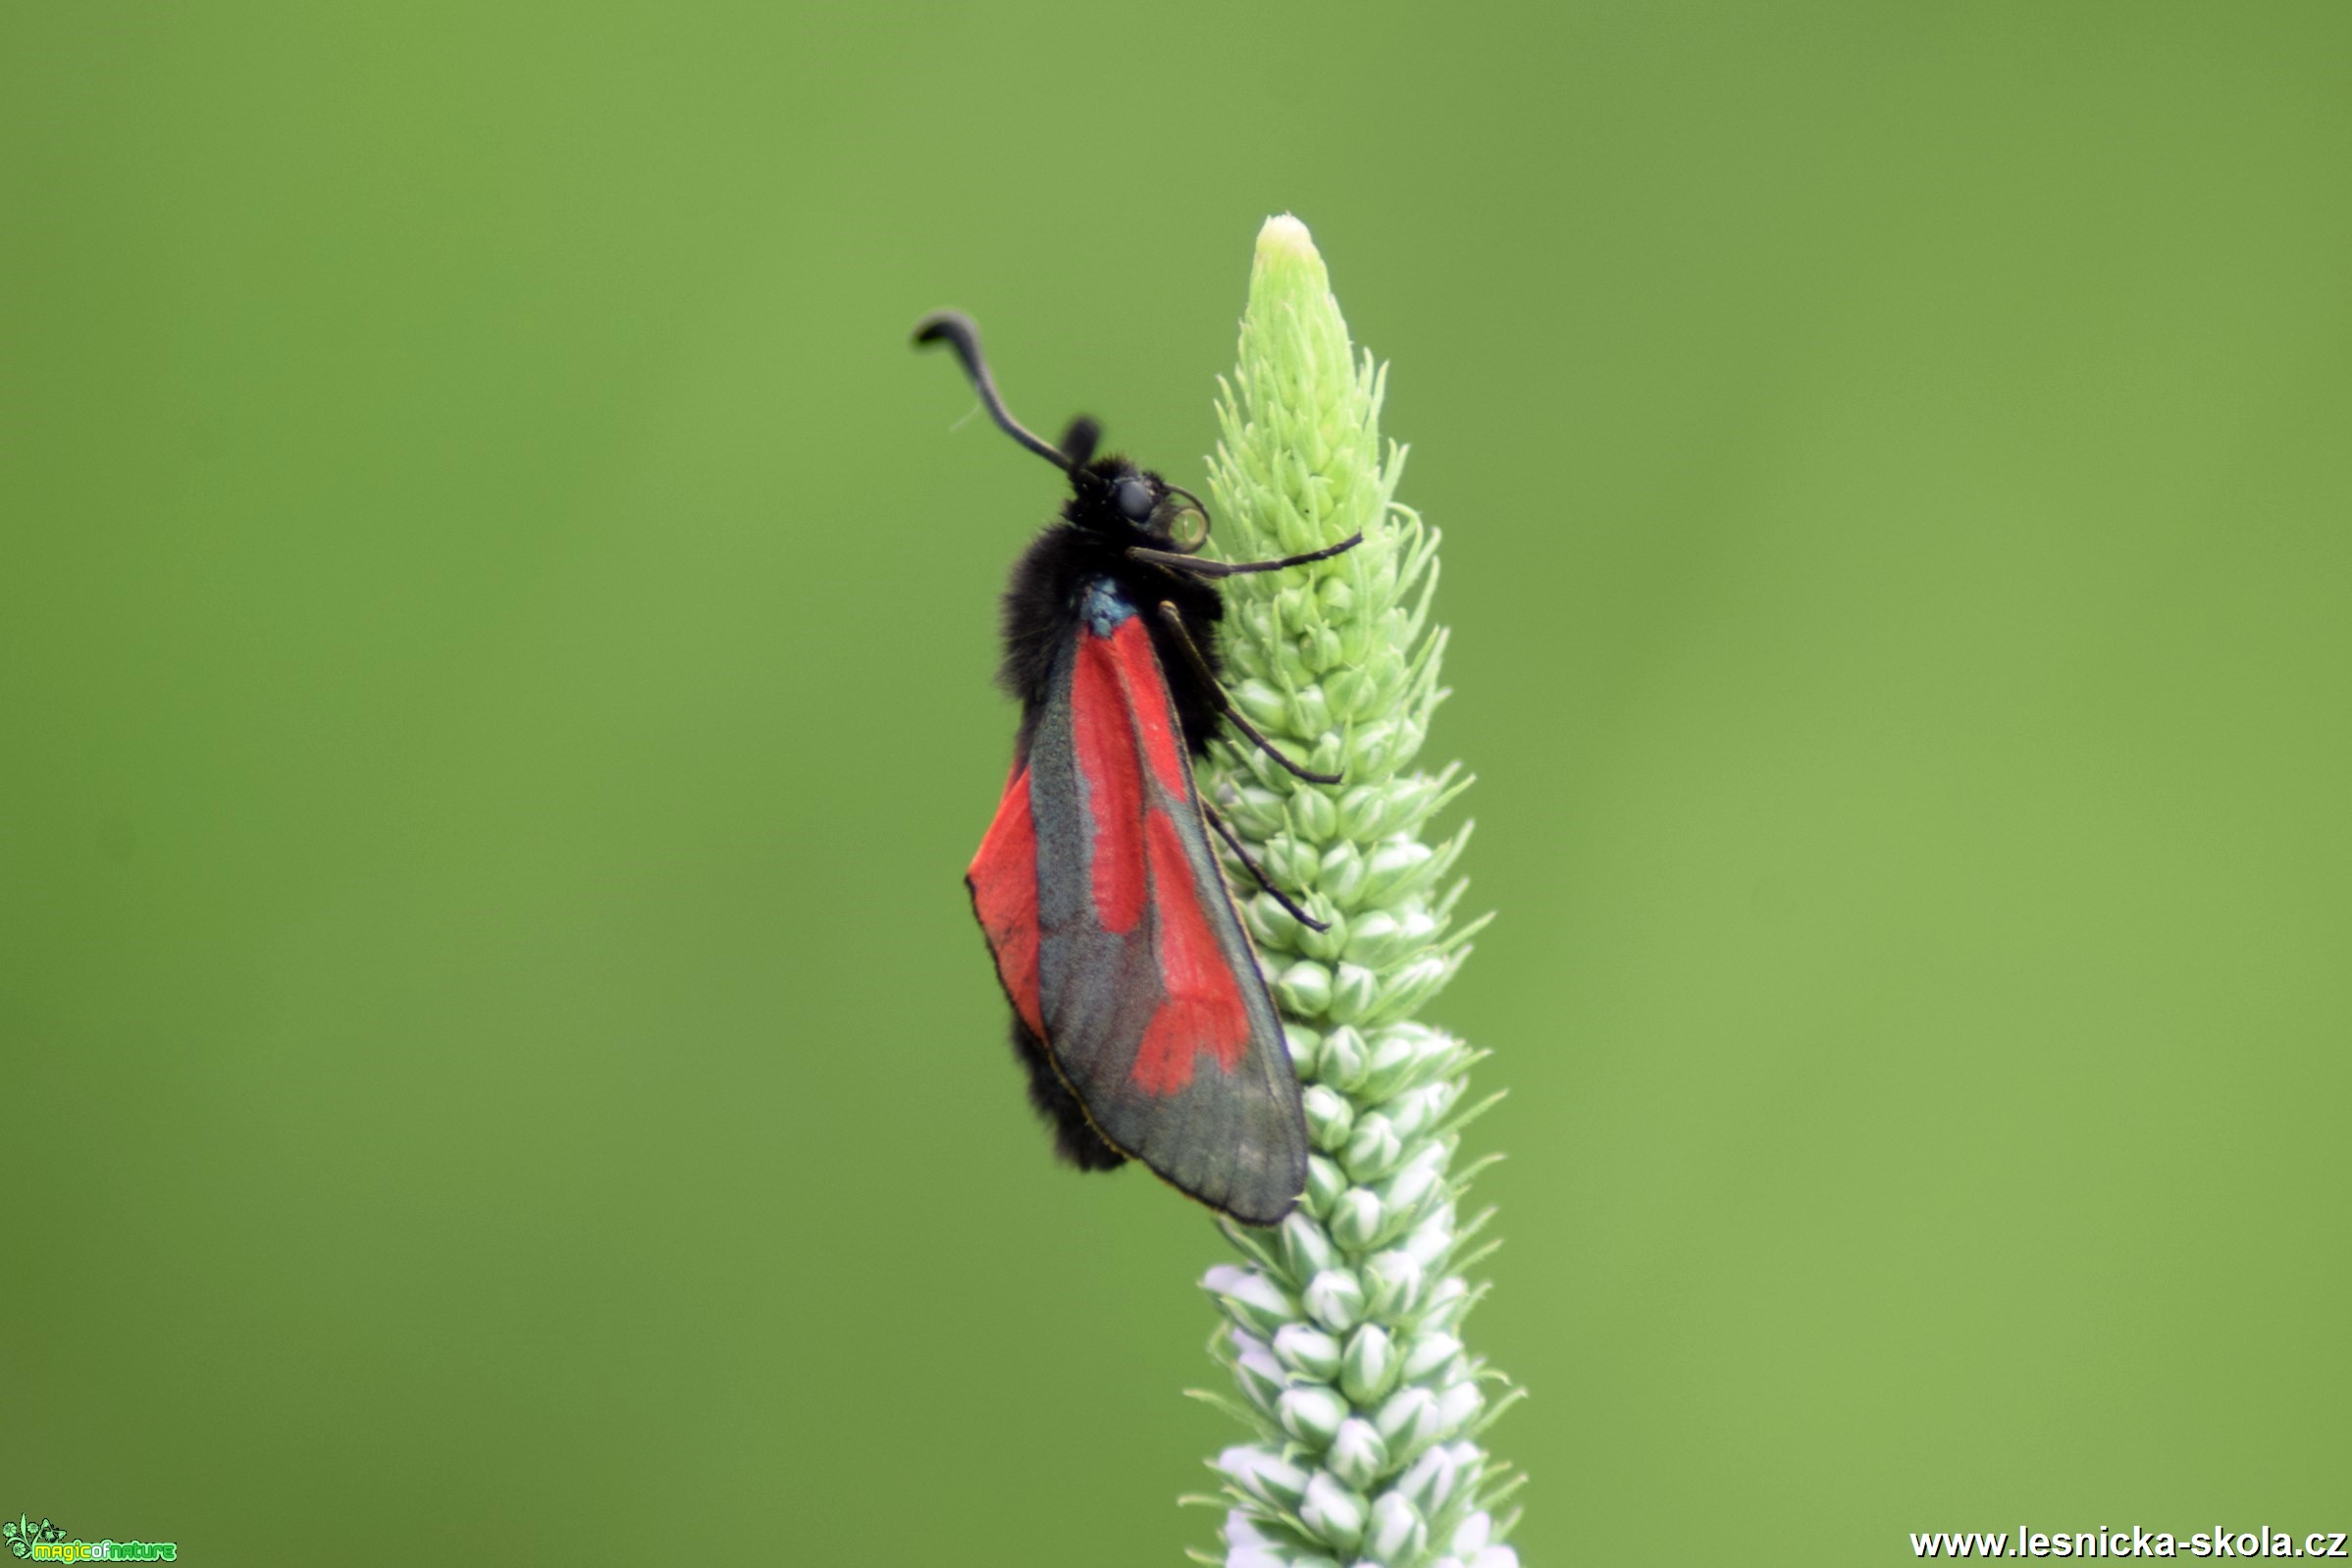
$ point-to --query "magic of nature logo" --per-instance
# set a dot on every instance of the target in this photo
(46, 1542)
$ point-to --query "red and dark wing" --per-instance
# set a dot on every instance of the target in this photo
(1003, 894)
(1116, 939)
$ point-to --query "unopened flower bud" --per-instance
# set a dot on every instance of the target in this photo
(1306, 1250)
(1313, 812)
(1260, 1376)
(1429, 1481)
(1405, 802)
(1432, 1238)
(1325, 1184)
(1374, 940)
(1248, 1545)
(1357, 1218)
(1303, 1043)
(1330, 1120)
(1412, 1112)
(1411, 1186)
(1396, 1533)
(1447, 1301)
(1343, 1059)
(1357, 1455)
(1361, 810)
(1393, 1284)
(1262, 703)
(1353, 990)
(1265, 1476)
(1294, 613)
(1308, 1351)
(1417, 981)
(1304, 988)
(1271, 925)
(1311, 1413)
(1251, 1299)
(1459, 1405)
(1369, 1368)
(1396, 1056)
(1373, 1148)
(1333, 1512)
(1393, 865)
(1408, 1420)
(1324, 946)
(1424, 1353)
(1291, 863)
(1310, 715)
(1334, 1298)
(1350, 692)
(1368, 747)
(1320, 648)
(1254, 809)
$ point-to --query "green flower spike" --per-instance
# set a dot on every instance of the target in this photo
(1342, 1325)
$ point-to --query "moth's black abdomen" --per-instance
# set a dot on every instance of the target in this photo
(1074, 1137)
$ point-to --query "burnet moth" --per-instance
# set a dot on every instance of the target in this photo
(1137, 1005)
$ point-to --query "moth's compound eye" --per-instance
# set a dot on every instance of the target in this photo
(1134, 499)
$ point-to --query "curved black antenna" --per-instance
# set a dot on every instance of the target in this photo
(956, 330)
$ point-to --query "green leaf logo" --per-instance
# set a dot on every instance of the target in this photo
(21, 1533)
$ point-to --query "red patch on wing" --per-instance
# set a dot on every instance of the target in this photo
(1139, 667)
(1004, 892)
(1203, 1011)
(1105, 739)
(1203, 1014)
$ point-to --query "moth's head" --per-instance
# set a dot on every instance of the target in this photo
(1133, 506)
(1107, 494)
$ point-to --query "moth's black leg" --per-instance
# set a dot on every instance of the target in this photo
(1255, 869)
(1200, 667)
(1201, 569)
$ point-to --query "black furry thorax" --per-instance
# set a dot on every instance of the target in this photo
(1099, 525)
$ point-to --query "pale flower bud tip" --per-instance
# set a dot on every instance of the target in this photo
(1285, 237)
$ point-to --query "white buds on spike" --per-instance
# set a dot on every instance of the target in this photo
(1331, 1118)
(1335, 1511)
(1369, 1368)
(1398, 1533)
(1346, 1325)
(1258, 1305)
(1334, 1298)
(1357, 1455)
(1267, 1477)
(1311, 1413)
(1310, 1352)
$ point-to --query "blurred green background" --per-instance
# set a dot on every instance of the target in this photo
(494, 673)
